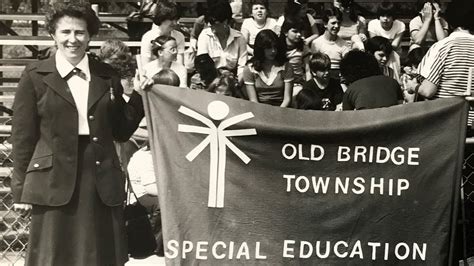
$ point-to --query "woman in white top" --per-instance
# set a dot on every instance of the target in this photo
(428, 27)
(165, 49)
(226, 46)
(164, 23)
(386, 26)
(259, 21)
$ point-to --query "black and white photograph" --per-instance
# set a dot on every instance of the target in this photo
(236, 132)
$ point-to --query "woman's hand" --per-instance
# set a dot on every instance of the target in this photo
(141, 83)
(22, 208)
(427, 12)
(437, 10)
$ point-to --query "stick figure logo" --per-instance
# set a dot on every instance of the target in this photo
(218, 144)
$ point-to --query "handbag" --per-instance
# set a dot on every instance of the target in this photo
(140, 238)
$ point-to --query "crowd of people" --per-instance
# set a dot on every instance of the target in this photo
(273, 60)
(287, 62)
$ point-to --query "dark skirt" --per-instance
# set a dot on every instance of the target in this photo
(83, 232)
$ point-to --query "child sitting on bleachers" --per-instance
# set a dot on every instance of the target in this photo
(408, 79)
(389, 61)
(225, 84)
(387, 26)
(166, 77)
(327, 89)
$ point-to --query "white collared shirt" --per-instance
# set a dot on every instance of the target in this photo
(79, 87)
(234, 56)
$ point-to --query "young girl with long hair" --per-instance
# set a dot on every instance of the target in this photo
(268, 78)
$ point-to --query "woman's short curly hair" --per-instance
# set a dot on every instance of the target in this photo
(76, 10)
(118, 56)
(111, 47)
(124, 63)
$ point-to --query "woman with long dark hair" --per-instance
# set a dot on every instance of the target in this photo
(268, 78)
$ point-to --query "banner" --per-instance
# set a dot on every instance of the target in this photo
(242, 183)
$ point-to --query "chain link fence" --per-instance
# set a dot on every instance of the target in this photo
(13, 227)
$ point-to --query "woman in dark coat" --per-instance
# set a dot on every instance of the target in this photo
(68, 111)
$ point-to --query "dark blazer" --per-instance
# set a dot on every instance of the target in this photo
(45, 134)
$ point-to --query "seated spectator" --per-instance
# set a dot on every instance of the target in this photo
(206, 72)
(308, 99)
(118, 56)
(226, 46)
(330, 43)
(428, 27)
(297, 52)
(353, 28)
(445, 67)
(386, 26)
(166, 77)
(328, 90)
(259, 21)
(112, 48)
(298, 10)
(164, 23)
(268, 78)
(408, 80)
(143, 181)
(226, 84)
(200, 23)
(389, 61)
(165, 49)
(368, 88)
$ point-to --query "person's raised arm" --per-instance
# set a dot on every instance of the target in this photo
(440, 31)
(419, 35)
(288, 77)
(242, 60)
(145, 49)
(245, 32)
(397, 40)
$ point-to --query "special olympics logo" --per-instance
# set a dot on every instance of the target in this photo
(218, 142)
